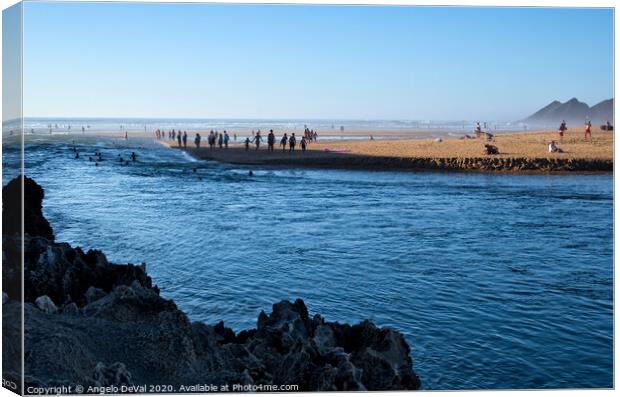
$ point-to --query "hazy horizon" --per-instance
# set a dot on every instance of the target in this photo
(226, 61)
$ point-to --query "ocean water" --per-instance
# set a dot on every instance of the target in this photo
(496, 281)
(331, 126)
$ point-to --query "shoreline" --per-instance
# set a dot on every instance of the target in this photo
(519, 153)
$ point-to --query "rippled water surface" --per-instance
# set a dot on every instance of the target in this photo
(497, 281)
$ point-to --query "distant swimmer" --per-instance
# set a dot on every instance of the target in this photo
(133, 156)
(250, 173)
(77, 155)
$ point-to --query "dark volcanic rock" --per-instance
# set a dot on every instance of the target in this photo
(61, 272)
(114, 328)
(35, 223)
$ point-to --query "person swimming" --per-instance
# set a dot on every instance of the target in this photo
(133, 156)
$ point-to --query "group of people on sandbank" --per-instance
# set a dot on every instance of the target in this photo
(222, 140)
(172, 135)
(286, 141)
(587, 132)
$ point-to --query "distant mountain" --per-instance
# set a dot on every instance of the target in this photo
(603, 111)
(574, 112)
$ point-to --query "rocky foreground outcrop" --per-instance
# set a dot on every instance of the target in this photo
(94, 323)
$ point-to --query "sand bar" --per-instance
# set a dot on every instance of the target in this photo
(518, 152)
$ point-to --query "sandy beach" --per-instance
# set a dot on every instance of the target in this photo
(519, 151)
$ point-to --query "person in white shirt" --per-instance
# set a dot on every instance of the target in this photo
(553, 148)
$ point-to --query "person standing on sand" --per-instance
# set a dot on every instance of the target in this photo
(185, 139)
(197, 140)
(235, 137)
(588, 130)
(179, 139)
(562, 129)
(283, 142)
(247, 144)
(303, 144)
(315, 136)
(126, 137)
(220, 140)
(257, 139)
(211, 139)
(226, 139)
(291, 143)
(271, 141)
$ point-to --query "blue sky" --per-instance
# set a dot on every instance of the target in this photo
(266, 61)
